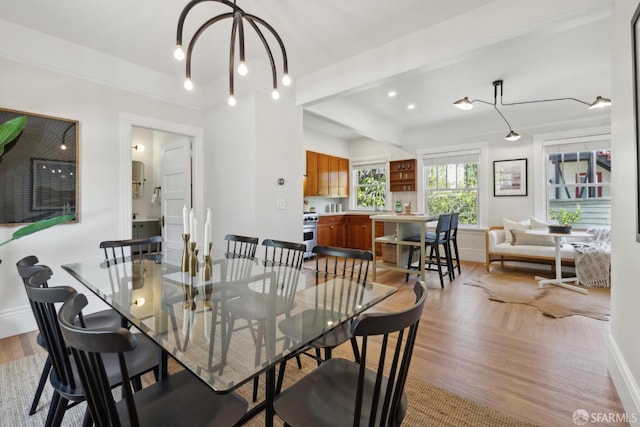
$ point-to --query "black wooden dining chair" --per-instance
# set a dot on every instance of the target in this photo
(117, 251)
(68, 391)
(331, 263)
(285, 259)
(370, 393)
(243, 246)
(27, 267)
(179, 399)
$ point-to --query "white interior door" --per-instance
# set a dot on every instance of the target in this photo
(176, 189)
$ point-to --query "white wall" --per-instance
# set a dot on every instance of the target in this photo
(624, 364)
(251, 146)
(101, 197)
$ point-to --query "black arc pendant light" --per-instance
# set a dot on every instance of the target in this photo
(465, 104)
(239, 17)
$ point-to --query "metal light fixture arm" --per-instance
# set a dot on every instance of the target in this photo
(501, 83)
(237, 30)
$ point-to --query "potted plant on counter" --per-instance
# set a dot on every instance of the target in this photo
(565, 220)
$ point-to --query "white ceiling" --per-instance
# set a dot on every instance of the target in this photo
(568, 59)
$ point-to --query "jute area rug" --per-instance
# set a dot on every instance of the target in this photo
(428, 405)
(553, 301)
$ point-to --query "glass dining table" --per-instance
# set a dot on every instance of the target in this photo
(221, 323)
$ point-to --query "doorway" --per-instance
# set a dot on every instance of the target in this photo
(171, 178)
(161, 183)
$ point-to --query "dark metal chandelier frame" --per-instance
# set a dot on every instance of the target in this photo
(465, 104)
(237, 31)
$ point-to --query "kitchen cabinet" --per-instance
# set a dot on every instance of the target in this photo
(331, 231)
(311, 178)
(359, 233)
(144, 229)
(327, 176)
(402, 175)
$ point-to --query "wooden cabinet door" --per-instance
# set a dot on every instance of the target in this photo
(324, 235)
(323, 174)
(311, 181)
(343, 177)
(334, 165)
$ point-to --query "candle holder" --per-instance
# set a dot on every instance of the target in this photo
(193, 260)
(185, 254)
(206, 271)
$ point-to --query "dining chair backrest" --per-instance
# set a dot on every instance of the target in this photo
(453, 226)
(87, 347)
(242, 246)
(28, 266)
(387, 402)
(43, 301)
(442, 228)
(284, 253)
(117, 251)
(343, 262)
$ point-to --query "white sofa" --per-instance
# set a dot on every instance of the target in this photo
(499, 249)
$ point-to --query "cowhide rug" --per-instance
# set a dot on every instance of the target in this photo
(553, 301)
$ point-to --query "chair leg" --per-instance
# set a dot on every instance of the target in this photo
(281, 371)
(43, 380)
(409, 259)
(318, 356)
(455, 248)
(52, 409)
(254, 395)
(356, 351)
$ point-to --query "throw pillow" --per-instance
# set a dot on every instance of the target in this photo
(521, 237)
(511, 225)
(538, 224)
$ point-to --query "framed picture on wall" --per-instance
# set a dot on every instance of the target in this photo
(38, 178)
(635, 42)
(510, 177)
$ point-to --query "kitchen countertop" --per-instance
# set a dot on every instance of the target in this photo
(142, 219)
(367, 213)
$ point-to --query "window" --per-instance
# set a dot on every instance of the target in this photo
(451, 185)
(370, 185)
(578, 174)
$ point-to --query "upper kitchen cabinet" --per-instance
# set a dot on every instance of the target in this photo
(327, 176)
(402, 175)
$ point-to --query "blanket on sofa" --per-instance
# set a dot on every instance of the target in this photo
(593, 259)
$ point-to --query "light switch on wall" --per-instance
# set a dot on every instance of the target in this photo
(280, 204)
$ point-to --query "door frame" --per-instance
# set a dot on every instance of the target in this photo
(126, 122)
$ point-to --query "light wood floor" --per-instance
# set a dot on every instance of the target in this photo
(505, 356)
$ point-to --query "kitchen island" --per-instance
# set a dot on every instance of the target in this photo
(406, 225)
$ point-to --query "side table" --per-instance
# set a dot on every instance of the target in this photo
(559, 280)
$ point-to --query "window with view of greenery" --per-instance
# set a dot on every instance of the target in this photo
(452, 186)
(579, 174)
(370, 186)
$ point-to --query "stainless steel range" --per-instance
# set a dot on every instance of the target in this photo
(310, 232)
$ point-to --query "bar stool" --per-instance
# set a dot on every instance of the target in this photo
(435, 241)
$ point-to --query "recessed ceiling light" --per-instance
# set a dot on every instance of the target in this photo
(392, 93)
(411, 106)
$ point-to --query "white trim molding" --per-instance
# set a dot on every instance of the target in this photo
(626, 386)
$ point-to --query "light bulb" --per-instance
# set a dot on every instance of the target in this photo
(242, 69)
(463, 104)
(178, 53)
(63, 147)
(286, 80)
(188, 84)
(232, 100)
(275, 94)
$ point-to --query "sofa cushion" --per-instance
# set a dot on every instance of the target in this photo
(521, 237)
(538, 224)
(511, 225)
(566, 251)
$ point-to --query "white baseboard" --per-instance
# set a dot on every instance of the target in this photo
(20, 320)
(17, 321)
(626, 385)
(475, 255)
